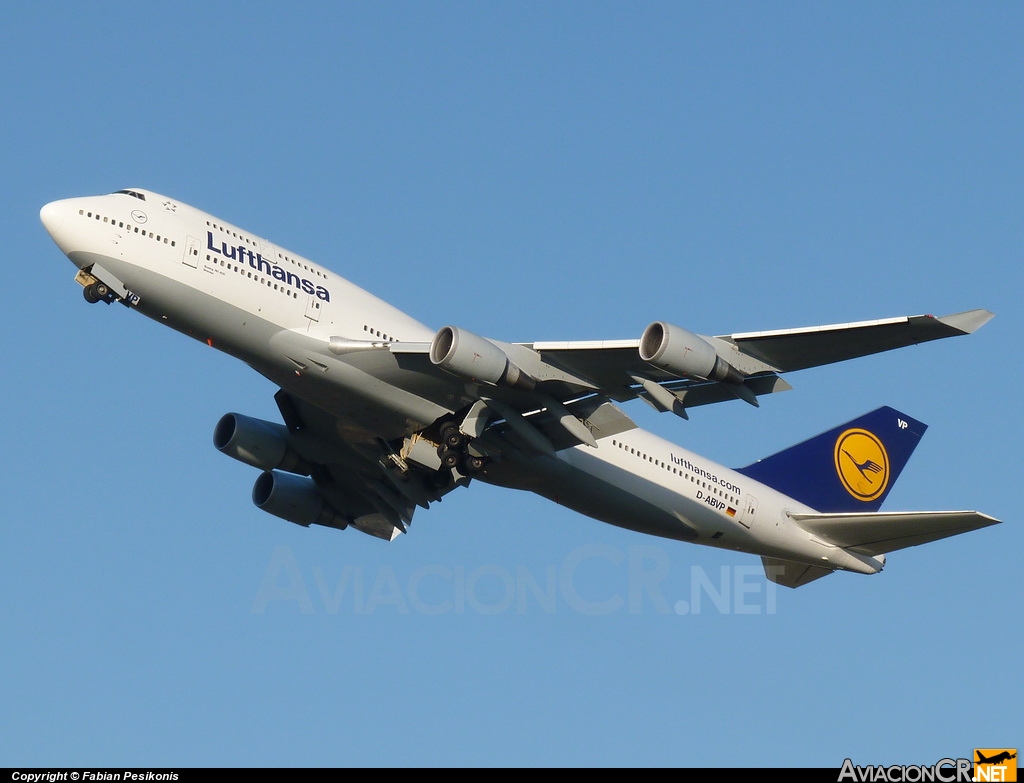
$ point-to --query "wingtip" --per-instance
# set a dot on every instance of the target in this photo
(986, 520)
(969, 321)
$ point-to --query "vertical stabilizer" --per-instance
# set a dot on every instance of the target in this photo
(848, 469)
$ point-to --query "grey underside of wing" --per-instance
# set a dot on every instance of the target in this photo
(349, 471)
(601, 417)
(878, 533)
(609, 365)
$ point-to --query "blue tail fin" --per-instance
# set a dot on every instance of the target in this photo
(849, 468)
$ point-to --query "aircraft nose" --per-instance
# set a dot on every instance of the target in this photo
(50, 214)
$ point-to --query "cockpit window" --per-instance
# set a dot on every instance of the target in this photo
(134, 193)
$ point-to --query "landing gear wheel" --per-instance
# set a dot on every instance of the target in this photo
(451, 438)
(97, 292)
(449, 459)
(474, 464)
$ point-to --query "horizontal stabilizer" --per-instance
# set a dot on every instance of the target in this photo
(877, 533)
(790, 574)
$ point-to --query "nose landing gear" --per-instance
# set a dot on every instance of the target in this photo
(93, 289)
(98, 292)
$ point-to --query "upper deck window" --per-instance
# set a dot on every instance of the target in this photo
(134, 193)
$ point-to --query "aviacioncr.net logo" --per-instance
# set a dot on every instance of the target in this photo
(862, 464)
(995, 765)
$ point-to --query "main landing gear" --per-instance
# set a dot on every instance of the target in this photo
(454, 453)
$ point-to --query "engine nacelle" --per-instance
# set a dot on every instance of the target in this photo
(259, 443)
(296, 500)
(474, 357)
(681, 352)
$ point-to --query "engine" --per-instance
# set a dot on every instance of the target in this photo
(259, 443)
(296, 500)
(476, 358)
(681, 352)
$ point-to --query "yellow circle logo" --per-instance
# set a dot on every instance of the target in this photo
(862, 464)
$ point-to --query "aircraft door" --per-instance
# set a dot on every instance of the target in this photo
(313, 309)
(267, 251)
(749, 512)
(191, 257)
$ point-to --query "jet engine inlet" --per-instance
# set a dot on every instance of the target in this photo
(259, 443)
(681, 352)
(476, 358)
(295, 499)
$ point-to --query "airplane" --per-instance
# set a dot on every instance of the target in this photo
(383, 415)
(999, 758)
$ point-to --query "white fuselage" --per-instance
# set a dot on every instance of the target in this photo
(276, 310)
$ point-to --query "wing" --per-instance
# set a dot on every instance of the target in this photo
(669, 367)
(620, 369)
(608, 363)
(797, 349)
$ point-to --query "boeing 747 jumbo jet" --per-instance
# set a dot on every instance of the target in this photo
(383, 414)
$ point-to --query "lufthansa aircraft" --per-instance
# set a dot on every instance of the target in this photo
(383, 414)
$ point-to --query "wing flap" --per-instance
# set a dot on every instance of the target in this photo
(881, 532)
(694, 395)
(602, 418)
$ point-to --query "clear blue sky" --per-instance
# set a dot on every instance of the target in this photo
(526, 171)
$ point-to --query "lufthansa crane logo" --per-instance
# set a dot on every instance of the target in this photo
(862, 464)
